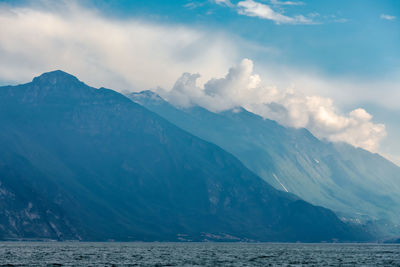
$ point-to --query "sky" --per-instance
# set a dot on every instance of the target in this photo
(330, 66)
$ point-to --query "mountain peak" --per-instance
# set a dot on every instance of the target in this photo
(147, 96)
(55, 77)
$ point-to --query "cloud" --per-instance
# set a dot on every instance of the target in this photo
(346, 91)
(387, 17)
(122, 54)
(286, 3)
(263, 11)
(224, 2)
(252, 8)
(242, 88)
(193, 5)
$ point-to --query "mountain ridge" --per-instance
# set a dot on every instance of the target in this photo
(89, 164)
(355, 183)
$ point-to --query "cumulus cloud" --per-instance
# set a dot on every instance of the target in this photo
(387, 17)
(122, 54)
(242, 88)
(263, 11)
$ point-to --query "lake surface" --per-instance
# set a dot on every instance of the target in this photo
(196, 254)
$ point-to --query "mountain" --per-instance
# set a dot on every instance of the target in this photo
(89, 164)
(356, 184)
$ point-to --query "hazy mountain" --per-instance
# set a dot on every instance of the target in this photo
(353, 182)
(84, 163)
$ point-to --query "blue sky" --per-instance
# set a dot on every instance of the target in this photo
(344, 50)
(348, 37)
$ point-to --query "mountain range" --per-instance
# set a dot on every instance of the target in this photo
(358, 185)
(79, 163)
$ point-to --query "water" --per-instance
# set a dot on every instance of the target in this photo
(196, 254)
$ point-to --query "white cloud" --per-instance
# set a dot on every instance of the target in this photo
(287, 3)
(224, 2)
(263, 11)
(240, 87)
(122, 54)
(192, 5)
(387, 17)
(347, 91)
